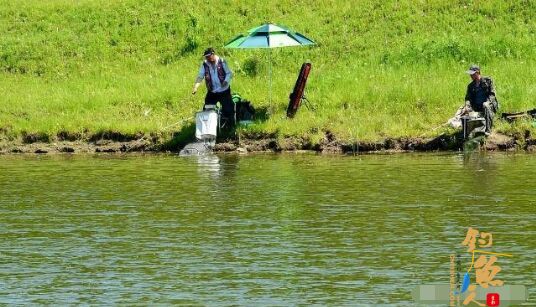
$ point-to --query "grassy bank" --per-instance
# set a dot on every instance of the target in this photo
(381, 68)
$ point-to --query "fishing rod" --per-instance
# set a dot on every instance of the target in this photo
(435, 128)
(180, 122)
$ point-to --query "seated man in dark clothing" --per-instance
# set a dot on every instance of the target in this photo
(480, 96)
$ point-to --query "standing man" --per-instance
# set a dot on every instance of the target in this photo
(480, 96)
(217, 77)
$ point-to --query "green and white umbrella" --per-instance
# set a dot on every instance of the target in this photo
(269, 36)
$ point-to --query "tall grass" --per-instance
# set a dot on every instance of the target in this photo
(380, 69)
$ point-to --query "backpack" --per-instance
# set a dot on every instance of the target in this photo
(244, 110)
(488, 85)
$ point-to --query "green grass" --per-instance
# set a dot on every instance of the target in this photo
(380, 69)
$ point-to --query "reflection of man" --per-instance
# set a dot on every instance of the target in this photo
(217, 77)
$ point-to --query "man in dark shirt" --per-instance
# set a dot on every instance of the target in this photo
(480, 96)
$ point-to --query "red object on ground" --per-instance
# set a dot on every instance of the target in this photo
(297, 94)
(492, 299)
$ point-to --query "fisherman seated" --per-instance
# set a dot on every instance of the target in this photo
(480, 102)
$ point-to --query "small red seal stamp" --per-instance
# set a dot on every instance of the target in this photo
(492, 299)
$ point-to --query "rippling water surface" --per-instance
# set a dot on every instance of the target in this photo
(261, 229)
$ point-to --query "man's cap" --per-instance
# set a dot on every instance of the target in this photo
(208, 51)
(473, 69)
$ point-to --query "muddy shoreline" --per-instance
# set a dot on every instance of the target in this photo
(117, 143)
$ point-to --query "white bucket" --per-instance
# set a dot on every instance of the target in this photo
(206, 125)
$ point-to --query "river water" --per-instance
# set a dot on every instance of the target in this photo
(286, 229)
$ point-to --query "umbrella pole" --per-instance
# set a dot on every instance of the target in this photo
(270, 76)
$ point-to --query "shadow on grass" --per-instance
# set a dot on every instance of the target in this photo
(261, 114)
(180, 138)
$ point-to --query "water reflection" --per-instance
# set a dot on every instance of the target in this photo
(254, 230)
(479, 161)
(208, 166)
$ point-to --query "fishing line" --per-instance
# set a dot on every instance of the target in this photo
(188, 99)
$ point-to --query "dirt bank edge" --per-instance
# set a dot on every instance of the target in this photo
(258, 143)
